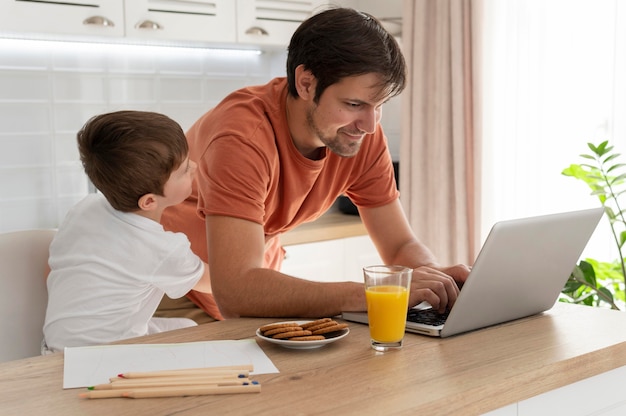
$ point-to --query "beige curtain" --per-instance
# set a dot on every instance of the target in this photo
(440, 148)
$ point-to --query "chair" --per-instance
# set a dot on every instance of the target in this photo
(23, 293)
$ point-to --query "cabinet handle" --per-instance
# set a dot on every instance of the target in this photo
(148, 24)
(98, 21)
(257, 31)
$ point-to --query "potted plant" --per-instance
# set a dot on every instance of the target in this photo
(593, 282)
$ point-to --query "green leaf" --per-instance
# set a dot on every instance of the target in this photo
(618, 179)
(588, 272)
(611, 157)
(607, 294)
(612, 168)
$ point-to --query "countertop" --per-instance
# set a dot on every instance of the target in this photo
(464, 375)
(329, 226)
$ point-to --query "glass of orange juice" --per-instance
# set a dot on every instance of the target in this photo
(387, 291)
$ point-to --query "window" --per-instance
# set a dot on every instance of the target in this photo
(555, 79)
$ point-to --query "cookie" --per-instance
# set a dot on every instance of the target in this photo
(308, 338)
(291, 334)
(269, 327)
(322, 325)
(315, 323)
(330, 329)
(275, 331)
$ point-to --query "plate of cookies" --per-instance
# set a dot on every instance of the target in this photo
(303, 334)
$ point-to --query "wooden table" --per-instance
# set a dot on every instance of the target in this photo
(467, 374)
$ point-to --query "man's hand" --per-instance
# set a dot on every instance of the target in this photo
(437, 286)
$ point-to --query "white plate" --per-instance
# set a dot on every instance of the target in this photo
(304, 345)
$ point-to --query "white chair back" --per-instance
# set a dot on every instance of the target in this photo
(23, 293)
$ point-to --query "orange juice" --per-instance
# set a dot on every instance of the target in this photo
(386, 311)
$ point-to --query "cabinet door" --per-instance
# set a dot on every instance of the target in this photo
(321, 261)
(181, 20)
(272, 22)
(359, 252)
(78, 17)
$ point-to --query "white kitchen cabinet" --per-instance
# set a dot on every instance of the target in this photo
(181, 20)
(272, 22)
(321, 261)
(268, 23)
(78, 17)
(332, 260)
(600, 395)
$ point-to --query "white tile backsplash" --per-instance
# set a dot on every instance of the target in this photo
(24, 86)
(48, 90)
(132, 89)
(180, 90)
(21, 117)
(31, 182)
(78, 87)
(22, 150)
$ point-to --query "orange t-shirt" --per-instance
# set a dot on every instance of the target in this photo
(249, 168)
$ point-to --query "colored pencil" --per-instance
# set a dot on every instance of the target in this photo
(169, 381)
(190, 391)
(242, 369)
(171, 391)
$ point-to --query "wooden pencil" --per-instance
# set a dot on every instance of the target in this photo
(171, 391)
(190, 391)
(239, 369)
(102, 394)
(169, 381)
(198, 376)
(183, 382)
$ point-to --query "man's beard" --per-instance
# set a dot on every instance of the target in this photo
(343, 148)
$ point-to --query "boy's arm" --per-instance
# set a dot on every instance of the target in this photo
(204, 284)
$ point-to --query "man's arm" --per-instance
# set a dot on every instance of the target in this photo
(397, 244)
(242, 287)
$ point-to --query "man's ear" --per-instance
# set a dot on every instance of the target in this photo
(148, 202)
(305, 83)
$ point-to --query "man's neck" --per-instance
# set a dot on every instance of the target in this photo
(295, 111)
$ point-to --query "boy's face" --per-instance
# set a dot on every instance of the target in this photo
(178, 186)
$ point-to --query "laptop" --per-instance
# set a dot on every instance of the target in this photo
(520, 271)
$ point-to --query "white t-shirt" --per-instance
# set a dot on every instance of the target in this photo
(109, 270)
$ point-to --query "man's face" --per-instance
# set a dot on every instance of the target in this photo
(346, 111)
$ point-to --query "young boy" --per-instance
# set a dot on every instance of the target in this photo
(111, 261)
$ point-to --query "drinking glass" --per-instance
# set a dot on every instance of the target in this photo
(387, 291)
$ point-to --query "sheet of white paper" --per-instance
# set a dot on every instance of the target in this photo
(88, 366)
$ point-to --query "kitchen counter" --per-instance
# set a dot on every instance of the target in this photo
(513, 368)
(330, 226)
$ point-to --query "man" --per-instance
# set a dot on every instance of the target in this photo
(274, 156)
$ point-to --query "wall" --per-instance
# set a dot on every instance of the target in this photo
(49, 89)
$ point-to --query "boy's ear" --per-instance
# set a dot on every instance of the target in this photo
(148, 202)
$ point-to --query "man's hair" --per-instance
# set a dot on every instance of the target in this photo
(343, 42)
(128, 154)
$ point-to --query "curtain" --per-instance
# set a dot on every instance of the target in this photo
(440, 141)
(551, 84)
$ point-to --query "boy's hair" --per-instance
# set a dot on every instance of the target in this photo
(343, 42)
(128, 154)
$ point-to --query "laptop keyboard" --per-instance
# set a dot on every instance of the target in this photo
(427, 316)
